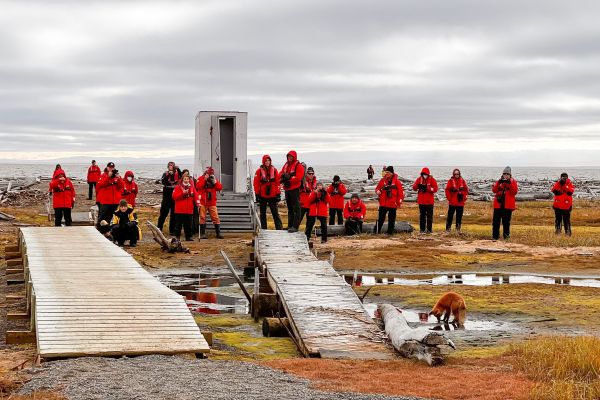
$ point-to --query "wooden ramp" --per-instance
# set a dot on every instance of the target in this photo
(88, 297)
(327, 318)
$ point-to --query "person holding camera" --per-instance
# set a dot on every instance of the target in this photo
(336, 190)
(355, 212)
(63, 197)
(124, 225)
(505, 191)
(130, 188)
(426, 186)
(308, 186)
(110, 186)
(207, 187)
(391, 194)
(318, 201)
(93, 175)
(186, 199)
(169, 180)
(563, 191)
(456, 193)
(291, 177)
(268, 192)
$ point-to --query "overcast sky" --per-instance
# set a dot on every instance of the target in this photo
(404, 82)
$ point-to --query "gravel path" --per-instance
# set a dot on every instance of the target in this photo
(162, 377)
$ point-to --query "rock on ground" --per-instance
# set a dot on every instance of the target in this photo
(165, 378)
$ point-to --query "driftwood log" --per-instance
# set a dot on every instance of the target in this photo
(368, 227)
(276, 327)
(420, 344)
(171, 246)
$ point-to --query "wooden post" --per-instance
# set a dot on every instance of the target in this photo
(235, 275)
(275, 327)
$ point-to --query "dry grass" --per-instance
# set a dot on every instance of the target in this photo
(42, 395)
(565, 367)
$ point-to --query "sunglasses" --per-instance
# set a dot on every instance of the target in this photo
(310, 173)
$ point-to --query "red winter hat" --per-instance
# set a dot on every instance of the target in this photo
(210, 170)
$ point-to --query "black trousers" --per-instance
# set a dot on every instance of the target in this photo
(292, 200)
(562, 218)
(105, 212)
(303, 212)
(310, 224)
(391, 213)
(340, 216)
(459, 214)
(369, 176)
(91, 187)
(185, 221)
(272, 203)
(426, 217)
(353, 227)
(59, 213)
(167, 208)
(501, 215)
(127, 231)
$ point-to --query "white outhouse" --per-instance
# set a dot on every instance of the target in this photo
(221, 142)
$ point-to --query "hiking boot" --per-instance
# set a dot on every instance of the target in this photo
(292, 230)
(218, 231)
(203, 232)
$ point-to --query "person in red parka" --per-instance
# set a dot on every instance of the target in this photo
(207, 187)
(186, 199)
(93, 175)
(268, 192)
(291, 176)
(505, 190)
(318, 201)
(336, 190)
(355, 212)
(426, 186)
(109, 189)
(130, 188)
(456, 193)
(308, 186)
(63, 197)
(391, 195)
(563, 191)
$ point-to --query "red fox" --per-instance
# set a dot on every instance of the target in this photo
(450, 303)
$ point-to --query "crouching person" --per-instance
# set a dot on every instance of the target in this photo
(63, 197)
(354, 213)
(207, 187)
(186, 199)
(318, 201)
(124, 225)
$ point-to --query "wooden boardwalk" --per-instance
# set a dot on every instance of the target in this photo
(88, 297)
(327, 318)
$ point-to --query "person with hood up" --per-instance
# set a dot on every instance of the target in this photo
(337, 190)
(93, 175)
(186, 199)
(268, 192)
(124, 225)
(309, 185)
(456, 193)
(63, 197)
(318, 201)
(391, 195)
(207, 187)
(505, 192)
(110, 187)
(563, 191)
(130, 188)
(370, 172)
(426, 186)
(355, 212)
(169, 180)
(291, 176)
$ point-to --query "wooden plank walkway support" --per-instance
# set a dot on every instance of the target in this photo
(88, 297)
(325, 316)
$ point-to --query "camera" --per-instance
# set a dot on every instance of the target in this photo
(210, 182)
(115, 172)
(285, 179)
(423, 187)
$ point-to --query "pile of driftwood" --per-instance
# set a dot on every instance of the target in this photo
(15, 192)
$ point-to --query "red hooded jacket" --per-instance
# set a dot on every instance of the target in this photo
(63, 194)
(506, 191)
(392, 197)
(296, 171)
(266, 181)
(185, 198)
(318, 203)
(108, 190)
(93, 174)
(358, 210)
(425, 197)
(305, 191)
(337, 199)
(208, 195)
(454, 188)
(563, 195)
(130, 189)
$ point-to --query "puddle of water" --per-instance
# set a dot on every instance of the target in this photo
(472, 280)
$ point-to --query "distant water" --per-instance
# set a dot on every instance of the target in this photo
(326, 173)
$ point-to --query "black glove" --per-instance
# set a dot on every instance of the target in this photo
(258, 198)
(132, 224)
(454, 189)
(422, 187)
(557, 192)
